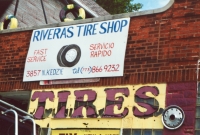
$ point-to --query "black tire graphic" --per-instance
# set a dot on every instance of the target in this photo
(69, 55)
(75, 10)
(7, 20)
(64, 12)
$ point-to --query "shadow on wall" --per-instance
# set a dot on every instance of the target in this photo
(4, 4)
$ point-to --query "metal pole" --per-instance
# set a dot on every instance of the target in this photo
(12, 106)
(16, 119)
(34, 125)
(86, 8)
(198, 78)
(44, 12)
(16, 6)
(121, 129)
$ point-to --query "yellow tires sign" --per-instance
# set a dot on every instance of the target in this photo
(85, 132)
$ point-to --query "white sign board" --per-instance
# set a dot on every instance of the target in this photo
(69, 81)
(77, 51)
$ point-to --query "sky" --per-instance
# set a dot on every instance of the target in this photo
(151, 4)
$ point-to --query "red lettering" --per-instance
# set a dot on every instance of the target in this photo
(100, 53)
(92, 47)
(40, 52)
(141, 94)
(42, 96)
(63, 97)
(36, 59)
(80, 103)
(111, 101)
(99, 46)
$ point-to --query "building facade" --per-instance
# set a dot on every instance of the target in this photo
(157, 93)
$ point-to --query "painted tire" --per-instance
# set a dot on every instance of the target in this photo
(9, 19)
(173, 117)
(69, 55)
(72, 8)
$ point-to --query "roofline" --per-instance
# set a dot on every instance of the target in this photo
(90, 20)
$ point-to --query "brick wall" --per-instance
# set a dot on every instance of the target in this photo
(183, 95)
(161, 47)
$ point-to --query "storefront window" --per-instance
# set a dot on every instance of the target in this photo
(127, 132)
(154, 103)
(147, 132)
(157, 132)
(137, 132)
(197, 125)
(142, 132)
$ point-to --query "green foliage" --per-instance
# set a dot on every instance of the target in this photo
(119, 6)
